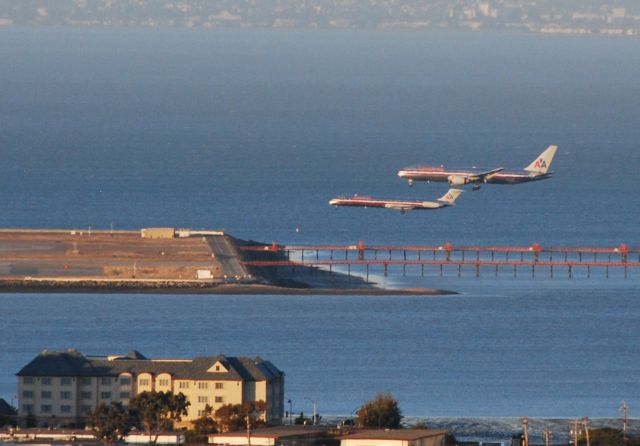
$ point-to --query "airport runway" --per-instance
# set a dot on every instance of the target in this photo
(226, 255)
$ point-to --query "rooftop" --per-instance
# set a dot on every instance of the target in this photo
(220, 367)
(277, 432)
(394, 434)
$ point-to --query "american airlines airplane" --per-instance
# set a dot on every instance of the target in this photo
(537, 170)
(403, 206)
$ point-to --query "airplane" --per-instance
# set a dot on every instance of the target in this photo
(537, 170)
(403, 206)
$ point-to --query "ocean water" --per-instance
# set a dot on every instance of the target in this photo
(254, 132)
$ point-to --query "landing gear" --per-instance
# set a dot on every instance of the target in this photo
(410, 183)
(475, 187)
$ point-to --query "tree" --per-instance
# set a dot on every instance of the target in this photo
(380, 412)
(110, 423)
(158, 410)
(205, 424)
(233, 417)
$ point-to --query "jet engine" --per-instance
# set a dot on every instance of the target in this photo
(455, 180)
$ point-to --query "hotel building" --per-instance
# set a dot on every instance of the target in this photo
(66, 387)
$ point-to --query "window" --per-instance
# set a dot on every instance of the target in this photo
(27, 394)
(125, 381)
(203, 385)
(144, 381)
(219, 399)
(203, 399)
(65, 381)
(27, 380)
(105, 381)
(164, 382)
(65, 409)
(219, 385)
(201, 413)
(105, 395)
(46, 381)
(65, 395)
(85, 395)
(27, 408)
(45, 408)
(125, 395)
(85, 409)
(217, 368)
(85, 381)
(183, 385)
(45, 394)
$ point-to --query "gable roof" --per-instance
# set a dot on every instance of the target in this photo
(74, 363)
(5, 408)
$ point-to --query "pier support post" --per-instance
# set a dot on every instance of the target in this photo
(386, 269)
(367, 279)
(570, 272)
(422, 269)
(477, 269)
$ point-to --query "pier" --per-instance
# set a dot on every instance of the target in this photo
(534, 260)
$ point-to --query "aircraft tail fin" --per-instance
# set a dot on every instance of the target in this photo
(451, 196)
(543, 162)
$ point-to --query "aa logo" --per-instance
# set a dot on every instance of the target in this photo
(449, 197)
(541, 164)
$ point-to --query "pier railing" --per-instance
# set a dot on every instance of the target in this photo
(533, 259)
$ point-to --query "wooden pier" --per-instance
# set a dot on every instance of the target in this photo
(534, 260)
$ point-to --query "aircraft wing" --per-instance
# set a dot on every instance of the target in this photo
(484, 176)
(399, 207)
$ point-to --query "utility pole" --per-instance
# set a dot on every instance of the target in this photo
(315, 413)
(547, 438)
(525, 428)
(248, 420)
(575, 432)
(625, 415)
(585, 423)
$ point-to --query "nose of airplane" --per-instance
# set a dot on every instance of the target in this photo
(402, 173)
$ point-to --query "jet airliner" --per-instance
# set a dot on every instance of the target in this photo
(537, 170)
(403, 206)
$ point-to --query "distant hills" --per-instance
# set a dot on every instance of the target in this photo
(613, 17)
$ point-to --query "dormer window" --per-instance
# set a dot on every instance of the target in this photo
(218, 367)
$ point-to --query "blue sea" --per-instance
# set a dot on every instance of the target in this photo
(254, 131)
